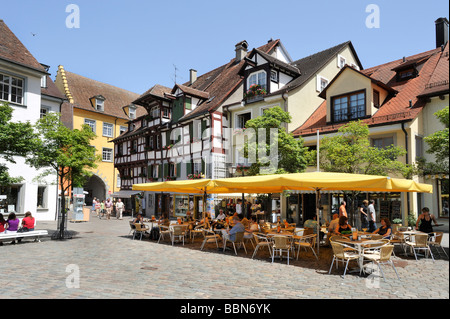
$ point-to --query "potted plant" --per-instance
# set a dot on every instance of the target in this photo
(396, 223)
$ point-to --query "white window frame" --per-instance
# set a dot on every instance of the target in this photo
(10, 85)
(341, 61)
(250, 82)
(44, 197)
(274, 76)
(109, 153)
(44, 111)
(319, 87)
(355, 66)
(99, 105)
(111, 129)
(197, 163)
(118, 181)
(92, 124)
(132, 111)
(122, 129)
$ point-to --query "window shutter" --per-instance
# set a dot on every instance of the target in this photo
(150, 171)
(203, 167)
(191, 132)
(188, 168)
(178, 169)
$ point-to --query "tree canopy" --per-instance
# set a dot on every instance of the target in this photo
(438, 143)
(16, 139)
(290, 151)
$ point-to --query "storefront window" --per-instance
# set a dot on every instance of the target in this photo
(181, 205)
(9, 199)
(444, 198)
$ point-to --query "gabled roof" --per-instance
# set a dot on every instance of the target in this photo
(52, 90)
(80, 89)
(273, 61)
(12, 50)
(310, 65)
(323, 94)
(155, 92)
(439, 81)
(191, 91)
(220, 83)
(397, 108)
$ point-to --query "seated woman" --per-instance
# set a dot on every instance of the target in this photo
(28, 222)
(12, 224)
(138, 219)
(385, 230)
(343, 225)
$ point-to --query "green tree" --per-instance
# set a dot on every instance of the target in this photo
(438, 143)
(64, 151)
(291, 152)
(350, 152)
(16, 139)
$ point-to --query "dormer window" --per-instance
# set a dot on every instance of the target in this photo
(258, 78)
(405, 74)
(348, 107)
(132, 111)
(98, 102)
(99, 105)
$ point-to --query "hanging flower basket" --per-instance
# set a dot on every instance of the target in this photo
(254, 90)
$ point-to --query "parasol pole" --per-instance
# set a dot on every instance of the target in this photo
(318, 218)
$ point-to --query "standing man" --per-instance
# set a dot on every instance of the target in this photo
(119, 209)
(239, 206)
(108, 208)
(371, 216)
(342, 210)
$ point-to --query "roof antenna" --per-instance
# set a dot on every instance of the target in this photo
(175, 74)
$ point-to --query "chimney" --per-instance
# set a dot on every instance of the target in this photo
(192, 76)
(441, 32)
(241, 50)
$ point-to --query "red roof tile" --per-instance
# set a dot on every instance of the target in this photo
(396, 108)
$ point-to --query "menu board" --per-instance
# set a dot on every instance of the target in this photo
(396, 211)
(384, 208)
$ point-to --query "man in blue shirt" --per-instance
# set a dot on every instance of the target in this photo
(237, 228)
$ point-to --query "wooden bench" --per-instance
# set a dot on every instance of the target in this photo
(35, 233)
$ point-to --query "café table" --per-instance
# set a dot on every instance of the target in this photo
(358, 244)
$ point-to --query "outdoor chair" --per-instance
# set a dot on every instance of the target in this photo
(210, 237)
(308, 241)
(339, 254)
(308, 231)
(261, 241)
(280, 244)
(132, 228)
(420, 243)
(239, 239)
(140, 229)
(435, 240)
(198, 230)
(381, 256)
(163, 231)
(398, 239)
(179, 232)
(375, 237)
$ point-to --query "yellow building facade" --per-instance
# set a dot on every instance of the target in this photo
(107, 110)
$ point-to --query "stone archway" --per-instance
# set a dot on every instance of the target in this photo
(96, 187)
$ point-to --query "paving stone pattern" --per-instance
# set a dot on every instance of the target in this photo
(112, 265)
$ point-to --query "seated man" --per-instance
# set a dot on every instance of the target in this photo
(237, 228)
(312, 223)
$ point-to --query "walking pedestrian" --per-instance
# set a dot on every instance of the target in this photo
(363, 210)
(108, 208)
(119, 209)
(102, 209)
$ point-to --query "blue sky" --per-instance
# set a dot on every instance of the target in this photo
(135, 44)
